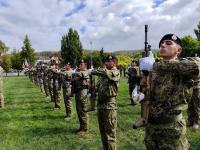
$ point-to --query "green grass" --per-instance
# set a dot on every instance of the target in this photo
(28, 122)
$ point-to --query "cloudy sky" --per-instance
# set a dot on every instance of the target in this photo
(111, 24)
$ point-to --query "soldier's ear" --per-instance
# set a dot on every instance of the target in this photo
(179, 50)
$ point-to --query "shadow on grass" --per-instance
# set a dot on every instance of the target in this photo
(31, 118)
(39, 102)
(51, 131)
(33, 108)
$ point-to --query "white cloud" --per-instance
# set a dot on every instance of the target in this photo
(118, 25)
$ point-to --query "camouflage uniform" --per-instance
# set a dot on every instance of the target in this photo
(50, 83)
(39, 77)
(1, 88)
(56, 87)
(81, 90)
(133, 79)
(45, 80)
(169, 90)
(31, 75)
(35, 77)
(194, 105)
(92, 91)
(66, 86)
(107, 88)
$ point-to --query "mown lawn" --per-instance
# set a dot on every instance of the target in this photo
(29, 122)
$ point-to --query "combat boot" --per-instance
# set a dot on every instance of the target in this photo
(68, 118)
(57, 106)
(81, 131)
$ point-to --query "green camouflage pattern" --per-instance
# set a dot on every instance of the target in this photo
(170, 89)
(66, 77)
(194, 105)
(81, 90)
(45, 80)
(107, 88)
(166, 136)
(92, 91)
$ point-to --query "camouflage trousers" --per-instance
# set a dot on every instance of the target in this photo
(1, 94)
(166, 136)
(56, 94)
(194, 108)
(50, 88)
(45, 85)
(93, 101)
(107, 119)
(81, 106)
(40, 83)
(67, 101)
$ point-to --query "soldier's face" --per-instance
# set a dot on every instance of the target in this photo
(67, 67)
(82, 66)
(133, 64)
(109, 64)
(169, 50)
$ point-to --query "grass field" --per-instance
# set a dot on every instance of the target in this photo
(28, 122)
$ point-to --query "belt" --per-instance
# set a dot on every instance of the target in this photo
(165, 119)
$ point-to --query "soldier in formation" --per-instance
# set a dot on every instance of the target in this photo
(133, 78)
(194, 104)
(66, 77)
(81, 84)
(107, 107)
(170, 88)
(92, 91)
(54, 84)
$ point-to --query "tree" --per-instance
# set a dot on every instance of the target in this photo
(3, 47)
(71, 47)
(190, 46)
(28, 52)
(6, 63)
(123, 60)
(197, 31)
(16, 61)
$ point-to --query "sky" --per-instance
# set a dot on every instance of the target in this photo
(109, 24)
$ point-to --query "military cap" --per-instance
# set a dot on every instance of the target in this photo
(68, 63)
(171, 37)
(81, 61)
(110, 57)
(133, 60)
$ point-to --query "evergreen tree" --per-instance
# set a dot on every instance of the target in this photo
(197, 31)
(28, 52)
(71, 47)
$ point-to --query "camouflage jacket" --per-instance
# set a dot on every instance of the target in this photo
(108, 83)
(82, 80)
(133, 74)
(66, 77)
(170, 86)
